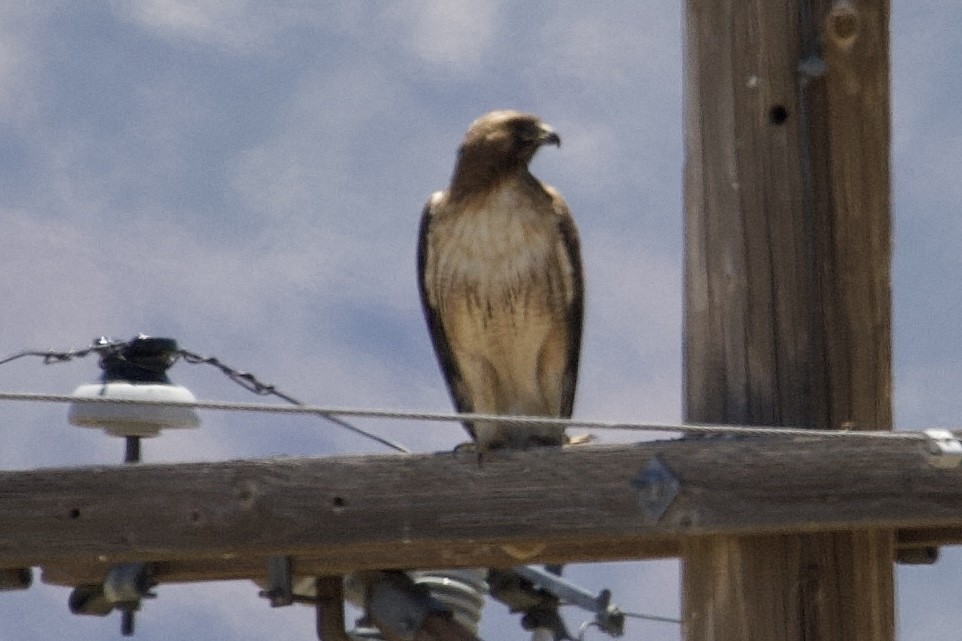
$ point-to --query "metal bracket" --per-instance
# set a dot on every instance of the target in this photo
(945, 448)
(129, 582)
(126, 584)
(927, 555)
(531, 597)
(608, 617)
(657, 488)
(280, 591)
(16, 579)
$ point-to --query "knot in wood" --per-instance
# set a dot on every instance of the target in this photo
(843, 24)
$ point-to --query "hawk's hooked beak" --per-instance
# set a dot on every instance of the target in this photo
(549, 136)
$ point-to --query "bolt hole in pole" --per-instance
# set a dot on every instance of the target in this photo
(777, 115)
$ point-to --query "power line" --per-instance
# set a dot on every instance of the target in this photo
(334, 415)
(403, 415)
(651, 617)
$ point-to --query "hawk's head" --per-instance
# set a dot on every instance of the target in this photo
(501, 142)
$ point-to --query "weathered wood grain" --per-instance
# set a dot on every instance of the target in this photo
(787, 307)
(334, 515)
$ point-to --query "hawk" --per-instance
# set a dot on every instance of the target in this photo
(499, 272)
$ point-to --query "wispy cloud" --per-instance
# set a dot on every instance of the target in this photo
(451, 36)
(244, 26)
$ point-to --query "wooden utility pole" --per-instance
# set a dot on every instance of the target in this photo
(787, 317)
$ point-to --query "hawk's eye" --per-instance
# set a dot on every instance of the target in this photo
(524, 131)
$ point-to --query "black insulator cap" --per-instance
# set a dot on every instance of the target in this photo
(145, 359)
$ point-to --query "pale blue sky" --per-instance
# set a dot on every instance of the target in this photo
(247, 178)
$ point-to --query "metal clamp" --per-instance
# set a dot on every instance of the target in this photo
(608, 617)
(945, 448)
(126, 584)
(521, 594)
